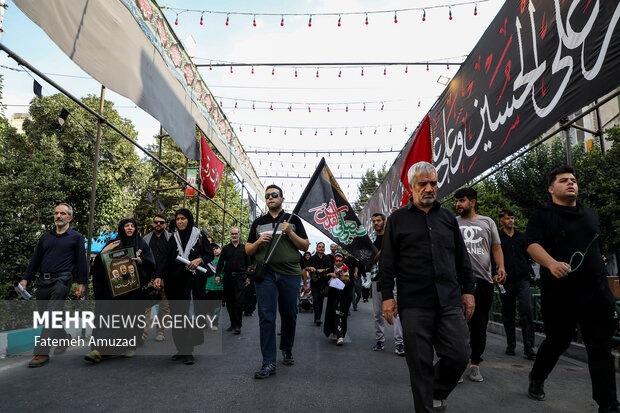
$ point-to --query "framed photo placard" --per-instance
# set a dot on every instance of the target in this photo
(122, 271)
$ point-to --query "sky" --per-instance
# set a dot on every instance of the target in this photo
(405, 96)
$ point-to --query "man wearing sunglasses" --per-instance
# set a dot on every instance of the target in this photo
(280, 288)
(158, 241)
(564, 238)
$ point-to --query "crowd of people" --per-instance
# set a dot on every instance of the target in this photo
(432, 278)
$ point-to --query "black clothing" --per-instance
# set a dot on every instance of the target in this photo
(159, 246)
(352, 263)
(185, 234)
(516, 258)
(234, 263)
(233, 259)
(518, 291)
(51, 296)
(483, 297)
(320, 263)
(582, 297)
(337, 310)
(59, 253)
(562, 231)
(426, 254)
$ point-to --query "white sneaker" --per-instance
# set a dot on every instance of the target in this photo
(214, 328)
(439, 405)
(340, 341)
(474, 373)
(460, 380)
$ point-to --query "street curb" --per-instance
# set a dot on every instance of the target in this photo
(575, 351)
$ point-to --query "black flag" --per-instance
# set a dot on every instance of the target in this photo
(36, 88)
(62, 118)
(324, 205)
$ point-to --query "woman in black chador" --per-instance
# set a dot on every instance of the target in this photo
(183, 284)
(338, 302)
(127, 304)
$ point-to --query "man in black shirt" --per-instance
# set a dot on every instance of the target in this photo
(158, 241)
(354, 270)
(318, 268)
(424, 251)
(59, 255)
(280, 288)
(234, 262)
(564, 238)
(519, 272)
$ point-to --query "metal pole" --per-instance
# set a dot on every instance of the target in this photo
(161, 131)
(185, 188)
(93, 191)
(599, 127)
(566, 135)
(198, 184)
(241, 218)
(225, 199)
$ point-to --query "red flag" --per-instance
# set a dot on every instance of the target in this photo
(420, 150)
(211, 170)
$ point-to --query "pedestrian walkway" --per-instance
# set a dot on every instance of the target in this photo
(325, 378)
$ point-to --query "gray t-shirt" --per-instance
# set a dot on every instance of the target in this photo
(479, 234)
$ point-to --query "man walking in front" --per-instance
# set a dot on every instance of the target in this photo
(519, 272)
(564, 238)
(280, 288)
(378, 223)
(423, 251)
(481, 239)
(158, 241)
(234, 263)
(59, 255)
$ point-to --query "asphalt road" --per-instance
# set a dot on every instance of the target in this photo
(324, 378)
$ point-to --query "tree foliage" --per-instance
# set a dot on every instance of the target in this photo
(370, 182)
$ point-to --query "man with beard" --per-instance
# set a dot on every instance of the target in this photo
(481, 239)
(280, 287)
(378, 223)
(158, 241)
(423, 251)
(59, 255)
(234, 263)
(564, 238)
(318, 268)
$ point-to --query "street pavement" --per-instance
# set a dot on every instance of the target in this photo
(324, 378)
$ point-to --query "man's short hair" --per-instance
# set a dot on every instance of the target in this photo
(319, 243)
(564, 169)
(379, 214)
(275, 187)
(506, 212)
(69, 207)
(469, 193)
(419, 167)
(162, 216)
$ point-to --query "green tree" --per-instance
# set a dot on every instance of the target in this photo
(370, 182)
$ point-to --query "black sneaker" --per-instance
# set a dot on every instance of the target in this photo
(189, 360)
(237, 331)
(536, 389)
(231, 328)
(510, 351)
(530, 355)
(178, 357)
(612, 408)
(317, 322)
(289, 360)
(265, 371)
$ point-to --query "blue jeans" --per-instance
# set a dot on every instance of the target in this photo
(283, 291)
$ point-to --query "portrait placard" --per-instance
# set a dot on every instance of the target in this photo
(121, 270)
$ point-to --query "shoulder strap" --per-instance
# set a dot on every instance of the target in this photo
(273, 234)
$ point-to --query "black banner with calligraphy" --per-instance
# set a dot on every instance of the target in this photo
(324, 205)
(536, 63)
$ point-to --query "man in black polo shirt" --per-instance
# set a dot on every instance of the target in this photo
(59, 255)
(234, 262)
(318, 268)
(424, 251)
(280, 288)
(519, 272)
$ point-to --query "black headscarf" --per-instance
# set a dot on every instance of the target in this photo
(125, 240)
(185, 234)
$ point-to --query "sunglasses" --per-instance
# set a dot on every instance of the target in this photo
(273, 195)
(159, 222)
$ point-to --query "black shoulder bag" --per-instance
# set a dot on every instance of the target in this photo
(256, 271)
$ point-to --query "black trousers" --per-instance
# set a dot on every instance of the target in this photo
(597, 329)
(51, 296)
(317, 300)
(357, 285)
(518, 291)
(427, 330)
(478, 322)
(234, 293)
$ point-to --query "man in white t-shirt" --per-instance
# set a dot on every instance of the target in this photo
(481, 240)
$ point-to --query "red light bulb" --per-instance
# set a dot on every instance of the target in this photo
(282, 21)
(227, 19)
(254, 21)
(176, 21)
(339, 19)
(310, 21)
(366, 19)
(395, 18)
(424, 15)
(201, 17)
